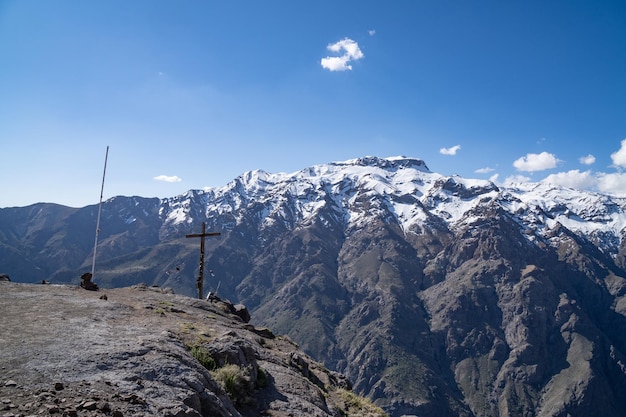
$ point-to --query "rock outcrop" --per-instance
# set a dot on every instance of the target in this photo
(145, 352)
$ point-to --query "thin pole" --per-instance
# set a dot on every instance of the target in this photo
(95, 245)
(201, 273)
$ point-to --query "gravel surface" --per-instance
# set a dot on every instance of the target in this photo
(67, 351)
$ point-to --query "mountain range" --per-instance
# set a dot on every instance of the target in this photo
(436, 295)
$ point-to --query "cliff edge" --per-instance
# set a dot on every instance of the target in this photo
(142, 351)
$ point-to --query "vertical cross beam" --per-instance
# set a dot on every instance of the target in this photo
(200, 281)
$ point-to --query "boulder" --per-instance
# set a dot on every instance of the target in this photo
(85, 282)
(242, 311)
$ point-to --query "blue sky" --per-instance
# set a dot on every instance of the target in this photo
(190, 94)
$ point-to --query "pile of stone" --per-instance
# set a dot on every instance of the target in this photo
(85, 282)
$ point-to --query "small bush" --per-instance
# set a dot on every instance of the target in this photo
(203, 356)
(359, 406)
(262, 380)
(188, 327)
(235, 381)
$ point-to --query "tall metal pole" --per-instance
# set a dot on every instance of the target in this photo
(201, 273)
(95, 245)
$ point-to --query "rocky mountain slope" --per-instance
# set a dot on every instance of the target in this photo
(435, 295)
(144, 352)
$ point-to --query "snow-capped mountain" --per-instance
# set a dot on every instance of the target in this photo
(436, 295)
(408, 191)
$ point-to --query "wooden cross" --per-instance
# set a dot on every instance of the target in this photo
(202, 235)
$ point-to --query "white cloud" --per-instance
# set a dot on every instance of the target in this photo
(587, 160)
(450, 151)
(613, 183)
(572, 179)
(351, 52)
(536, 162)
(168, 178)
(516, 179)
(372, 32)
(619, 157)
(485, 170)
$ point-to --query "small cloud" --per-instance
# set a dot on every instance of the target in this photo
(613, 183)
(371, 32)
(450, 151)
(485, 170)
(587, 160)
(536, 162)
(619, 157)
(168, 178)
(572, 179)
(516, 179)
(351, 52)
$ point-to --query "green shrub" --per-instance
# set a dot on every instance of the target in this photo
(235, 381)
(357, 406)
(203, 356)
(188, 327)
(262, 380)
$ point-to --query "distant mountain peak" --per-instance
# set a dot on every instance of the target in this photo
(389, 162)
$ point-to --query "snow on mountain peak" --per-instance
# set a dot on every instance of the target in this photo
(401, 187)
(387, 163)
(594, 215)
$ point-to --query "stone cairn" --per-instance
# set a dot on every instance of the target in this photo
(85, 282)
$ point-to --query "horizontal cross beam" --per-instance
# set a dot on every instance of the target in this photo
(203, 234)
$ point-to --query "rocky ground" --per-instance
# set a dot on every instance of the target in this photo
(142, 351)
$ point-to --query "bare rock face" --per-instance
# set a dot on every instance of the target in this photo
(144, 352)
(481, 320)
